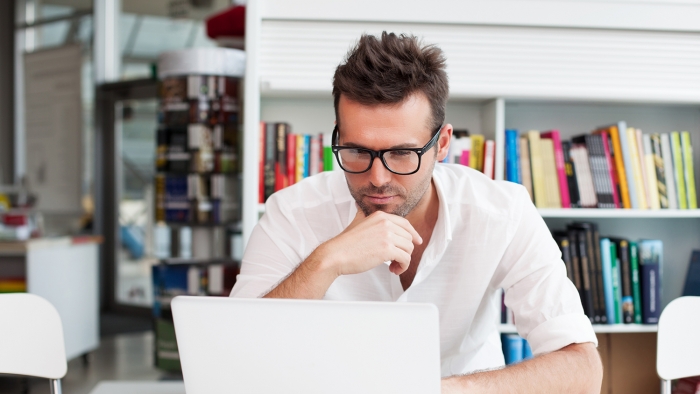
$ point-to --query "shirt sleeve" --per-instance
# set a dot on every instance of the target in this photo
(270, 255)
(545, 303)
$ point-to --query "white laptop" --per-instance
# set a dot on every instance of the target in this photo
(230, 345)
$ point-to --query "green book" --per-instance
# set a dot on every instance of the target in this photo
(678, 174)
(616, 283)
(636, 291)
(688, 170)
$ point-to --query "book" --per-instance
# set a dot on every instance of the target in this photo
(538, 181)
(587, 299)
(579, 156)
(688, 171)
(328, 159)
(625, 280)
(574, 197)
(527, 350)
(525, 169)
(476, 157)
(619, 165)
(660, 171)
(600, 173)
(636, 169)
(616, 283)
(625, 147)
(607, 280)
(678, 174)
(512, 162)
(651, 271)
(512, 348)
(315, 154)
(645, 179)
(610, 162)
(460, 145)
(299, 158)
(291, 159)
(562, 240)
(649, 163)
(692, 278)
(560, 167)
(575, 261)
(669, 173)
(281, 179)
(261, 163)
(489, 158)
(636, 289)
(595, 269)
(551, 183)
(270, 158)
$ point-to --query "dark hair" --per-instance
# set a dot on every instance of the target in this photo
(389, 70)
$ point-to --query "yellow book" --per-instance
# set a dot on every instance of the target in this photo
(688, 170)
(636, 167)
(476, 156)
(551, 183)
(620, 167)
(537, 171)
(654, 202)
(677, 154)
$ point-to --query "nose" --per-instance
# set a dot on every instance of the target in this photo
(378, 174)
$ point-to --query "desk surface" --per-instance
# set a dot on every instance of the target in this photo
(128, 387)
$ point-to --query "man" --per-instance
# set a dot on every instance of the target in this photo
(450, 235)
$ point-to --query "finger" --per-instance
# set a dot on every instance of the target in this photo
(406, 225)
(402, 242)
(400, 262)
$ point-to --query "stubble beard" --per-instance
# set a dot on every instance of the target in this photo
(411, 198)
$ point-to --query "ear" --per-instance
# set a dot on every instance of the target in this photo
(443, 142)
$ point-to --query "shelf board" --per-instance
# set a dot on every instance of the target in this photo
(585, 213)
(598, 328)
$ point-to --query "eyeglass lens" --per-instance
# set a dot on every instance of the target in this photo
(398, 161)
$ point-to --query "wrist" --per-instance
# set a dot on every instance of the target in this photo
(324, 262)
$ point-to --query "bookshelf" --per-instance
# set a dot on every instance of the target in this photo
(570, 65)
(598, 328)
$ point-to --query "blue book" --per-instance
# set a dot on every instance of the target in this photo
(651, 271)
(307, 153)
(512, 156)
(692, 279)
(512, 348)
(527, 350)
(627, 158)
(607, 280)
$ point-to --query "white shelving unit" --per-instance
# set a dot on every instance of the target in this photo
(598, 328)
(570, 65)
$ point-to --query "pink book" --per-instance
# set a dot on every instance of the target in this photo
(464, 158)
(559, 164)
(611, 167)
(489, 153)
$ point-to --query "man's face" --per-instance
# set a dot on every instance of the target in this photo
(403, 125)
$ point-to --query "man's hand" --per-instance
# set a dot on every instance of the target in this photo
(370, 241)
(366, 243)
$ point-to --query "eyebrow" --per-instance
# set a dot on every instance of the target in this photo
(399, 146)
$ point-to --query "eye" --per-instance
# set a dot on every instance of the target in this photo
(401, 153)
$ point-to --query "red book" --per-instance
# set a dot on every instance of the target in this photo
(489, 158)
(559, 165)
(291, 159)
(613, 173)
(227, 23)
(261, 163)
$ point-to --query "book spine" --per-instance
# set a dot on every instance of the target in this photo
(688, 170)
(653, 191)
(619, 167)
(307, 155)
(574, 197)
(643, 168)
(650, 260)
(281, 160)
(628, 166)
(601, 176)
(616, 284)
(525, 169)
(660, 171)
(314, 155)
(593, 273)
(261, 165)
(636, 291)
(299, 159)
(607, 151)
(550, 174)
(575, 262)
(626, 273)
(489, 156)
(560, 167)
(328, 159)
(537, 169)
(512, 348)
(599, 275)
(270, 158)
(511, 156)
(607, 280)
(588, 304)
(291, 158)
(676, 153)
(566, 257)
(669, 173)
(579, 155)
(636, 168)
(477, 152)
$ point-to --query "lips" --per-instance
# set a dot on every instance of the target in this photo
(380, 199)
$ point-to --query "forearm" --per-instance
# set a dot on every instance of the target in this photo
(310, 280)
(573, 369)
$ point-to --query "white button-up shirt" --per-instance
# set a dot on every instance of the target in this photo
(488, 236)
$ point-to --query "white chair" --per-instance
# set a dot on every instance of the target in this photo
(678, 344)
(31, 339)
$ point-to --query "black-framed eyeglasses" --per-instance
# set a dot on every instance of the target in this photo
(400, 161)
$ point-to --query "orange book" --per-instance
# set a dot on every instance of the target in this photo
(619, 164)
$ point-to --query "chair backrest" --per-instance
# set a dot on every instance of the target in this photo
(678, 346)
(31, 337)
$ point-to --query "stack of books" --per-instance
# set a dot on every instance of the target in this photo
(613, 167)
(618, 280)
(287, 158)
(197, 198)
(472, 151)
